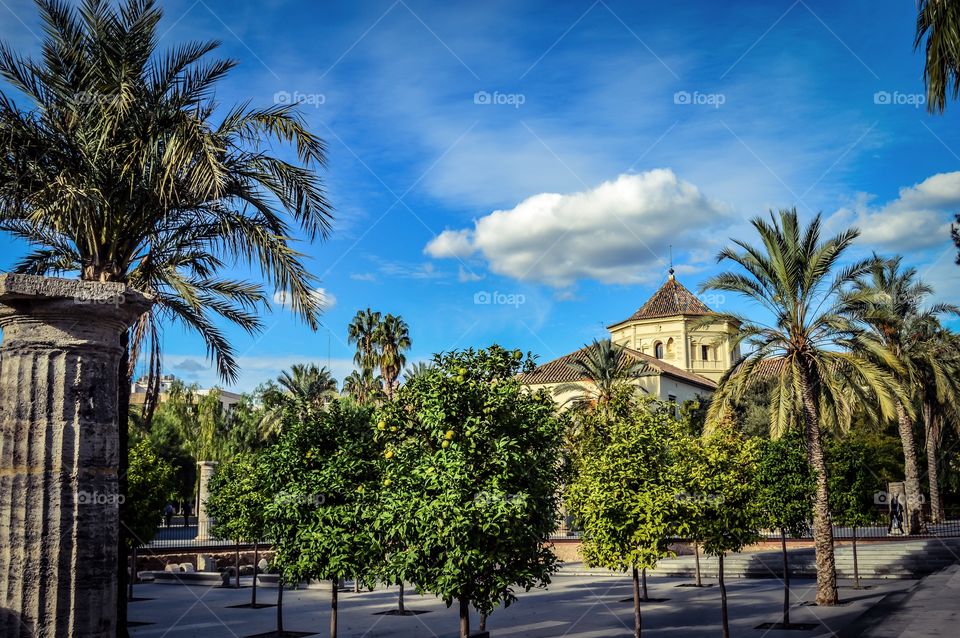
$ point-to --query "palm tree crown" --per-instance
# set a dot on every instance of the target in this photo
(938, 21)
(119, 168)
(606, 367)
(393, 337)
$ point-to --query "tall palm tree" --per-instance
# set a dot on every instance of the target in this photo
(895, 313)
(605, 367)
(821, 356)
(415, 370)
(362, 331)
(393, 337)
(119, 166)
(938, 22)
(939, 390)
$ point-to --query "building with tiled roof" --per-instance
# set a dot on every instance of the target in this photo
(684, 360)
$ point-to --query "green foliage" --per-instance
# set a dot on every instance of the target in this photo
(150, 486)
(719, 504)
(471, 468)
(624, 496)
(323, 472)
(854, 462)
(239, 495)
(786, 484)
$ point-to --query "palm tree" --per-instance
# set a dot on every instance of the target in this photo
(362, 331)
(119, 170)
(393, 337)
(605, 367)
(416, 370)
(821, 356)
(364, 386)
(938, 21)
(895, 314)
(306, 386)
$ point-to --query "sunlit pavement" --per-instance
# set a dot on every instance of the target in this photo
(573, 606)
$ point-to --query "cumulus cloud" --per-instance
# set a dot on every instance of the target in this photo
(466, 276)
(919, 218)
(617, 232)
(451, 243)
(325, 299)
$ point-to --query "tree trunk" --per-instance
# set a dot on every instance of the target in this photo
(237, 564)
(856, 566)
(280, 605)
(123, 431)
(696, 562)
(400, 600)
(932, 426)
(643, 583)
(636, 604)
(822, 525)
(786, 577)
(464, 618)
(483, 621)
(914, 506)
(133, 573)
(256, 560)
(335, 585)
(723, 599)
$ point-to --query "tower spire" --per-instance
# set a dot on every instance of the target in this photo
(671, 261)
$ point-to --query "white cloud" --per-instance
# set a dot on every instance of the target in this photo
(613, 233)
(466, 276)
(451, 243)
(919, 218)
(363, 276)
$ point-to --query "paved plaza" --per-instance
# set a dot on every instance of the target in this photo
(573, 606)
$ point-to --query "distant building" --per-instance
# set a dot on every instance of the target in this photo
(138, 392)
(685, 361)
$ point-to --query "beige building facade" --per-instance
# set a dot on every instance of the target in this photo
(684, 360)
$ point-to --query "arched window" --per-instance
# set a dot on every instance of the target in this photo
(658, 350)
(670, 349)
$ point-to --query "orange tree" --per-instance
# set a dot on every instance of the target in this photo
(471, 472)
(324, 472)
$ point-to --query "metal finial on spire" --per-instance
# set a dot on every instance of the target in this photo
(671, 261)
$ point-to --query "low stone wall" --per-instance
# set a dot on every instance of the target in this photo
(157, 562)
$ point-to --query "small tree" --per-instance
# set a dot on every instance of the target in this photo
(239, 496)
(721, 507)
(624, 493)
(853, 465)
(786, 490)
(471, 467)
(325, 472)
(150, 485)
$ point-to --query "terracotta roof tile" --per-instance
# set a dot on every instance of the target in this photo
(670, 300)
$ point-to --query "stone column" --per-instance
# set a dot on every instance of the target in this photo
(59, 453)
(203, 519)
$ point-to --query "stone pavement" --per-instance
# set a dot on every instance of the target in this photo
(930, 608)
(573, 606)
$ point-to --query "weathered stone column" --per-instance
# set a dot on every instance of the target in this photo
(203, 518)
(59, 453)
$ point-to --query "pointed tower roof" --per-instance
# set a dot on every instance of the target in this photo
(671, 300)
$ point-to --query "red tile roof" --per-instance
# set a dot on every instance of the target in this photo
(559, 370)
(671, 300)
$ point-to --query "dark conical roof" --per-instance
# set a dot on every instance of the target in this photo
(670, 300)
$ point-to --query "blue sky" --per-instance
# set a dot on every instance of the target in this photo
(515, 172)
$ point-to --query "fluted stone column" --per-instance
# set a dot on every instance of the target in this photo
(59, 453)
(203, 518)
